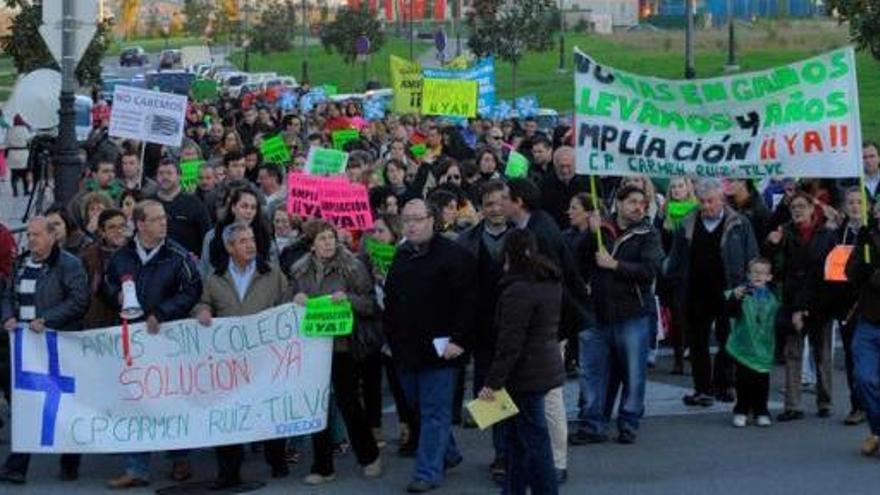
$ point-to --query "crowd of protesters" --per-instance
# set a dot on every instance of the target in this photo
(531, 279)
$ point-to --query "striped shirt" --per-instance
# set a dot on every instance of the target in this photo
(27, 289)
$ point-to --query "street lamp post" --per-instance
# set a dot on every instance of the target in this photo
(305, 62)
(561, 36)
(246, 41)
(731, 65)
(69, 166)
(690, 71)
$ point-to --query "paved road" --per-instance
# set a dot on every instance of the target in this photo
(679, 451)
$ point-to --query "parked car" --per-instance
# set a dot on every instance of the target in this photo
(169, 58)
(170, 81)
(133, 55)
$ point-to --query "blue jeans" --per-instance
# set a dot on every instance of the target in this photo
(430, 392)
(611, 355)
(866, 364)
(529, 456)
(137, 464)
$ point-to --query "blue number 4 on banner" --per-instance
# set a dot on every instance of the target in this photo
(52, 383)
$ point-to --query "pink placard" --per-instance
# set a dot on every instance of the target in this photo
(345, 205)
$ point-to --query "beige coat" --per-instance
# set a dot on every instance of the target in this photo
(267, 289)
(344, 273)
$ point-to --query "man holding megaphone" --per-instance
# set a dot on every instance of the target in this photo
(154, 279)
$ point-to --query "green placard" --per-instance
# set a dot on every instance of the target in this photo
(275, 150)
(325, 161)
(205, 90)
(517, 165)
(381, 254)
(330, 89)
(189, 174)
(418, 150)
(325, 318)
(342, 137)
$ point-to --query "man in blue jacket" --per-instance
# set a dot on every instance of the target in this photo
(167, 284)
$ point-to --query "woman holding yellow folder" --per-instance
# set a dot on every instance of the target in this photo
(527, 361)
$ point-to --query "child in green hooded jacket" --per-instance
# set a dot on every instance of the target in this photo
(752, 309)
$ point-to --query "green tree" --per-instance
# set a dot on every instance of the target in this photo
(863, 17)
(272, 34)
(341, 34)
(29, 53)
(508, 28)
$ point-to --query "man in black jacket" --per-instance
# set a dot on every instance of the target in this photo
(484, 241)
(49, 290)
(167, 284)
(430, 295)
(187, 217)
(863, 271)
(560, 184)
(622, 274)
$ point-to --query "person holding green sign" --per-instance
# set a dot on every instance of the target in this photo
(330, 269)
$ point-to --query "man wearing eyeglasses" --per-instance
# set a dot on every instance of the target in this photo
(429, 308)
(167, 285)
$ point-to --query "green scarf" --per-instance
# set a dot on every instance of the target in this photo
(677, 210)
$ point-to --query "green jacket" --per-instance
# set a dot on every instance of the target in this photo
(752, 330)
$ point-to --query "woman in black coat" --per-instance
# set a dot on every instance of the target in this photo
(527, 361)
(802, 245)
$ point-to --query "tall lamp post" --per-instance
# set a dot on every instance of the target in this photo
(561, 36)
(690, 71)
(305, 62)
(69, 166)
(731, 65)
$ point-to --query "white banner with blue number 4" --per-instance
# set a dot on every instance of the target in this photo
(240, 380)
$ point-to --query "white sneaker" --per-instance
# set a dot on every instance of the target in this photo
(374, 469)
(315, 479)
(764, 421)
(739, 420)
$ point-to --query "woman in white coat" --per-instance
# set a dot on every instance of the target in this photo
(18, 139)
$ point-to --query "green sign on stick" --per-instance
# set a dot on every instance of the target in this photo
(342, 137)
(205, 90)
(326, 318)
(189, 174)
(324, 161)
(517, 165)
(275, 150)
(381, 254)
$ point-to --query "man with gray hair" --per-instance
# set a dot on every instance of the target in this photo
(709, 255)
(560, 185)
(49, 289)
(247, 285)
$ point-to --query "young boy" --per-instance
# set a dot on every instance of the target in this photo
(752, 309)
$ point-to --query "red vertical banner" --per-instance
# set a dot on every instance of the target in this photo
(419, 9)
(440, 10)
(374, 5)
(389, 10)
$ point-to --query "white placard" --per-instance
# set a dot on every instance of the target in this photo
(149, 116)
(241, 380)
(794, 120)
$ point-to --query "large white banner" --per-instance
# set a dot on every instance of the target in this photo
(150, 116)
(240, 380)
(796, 120)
